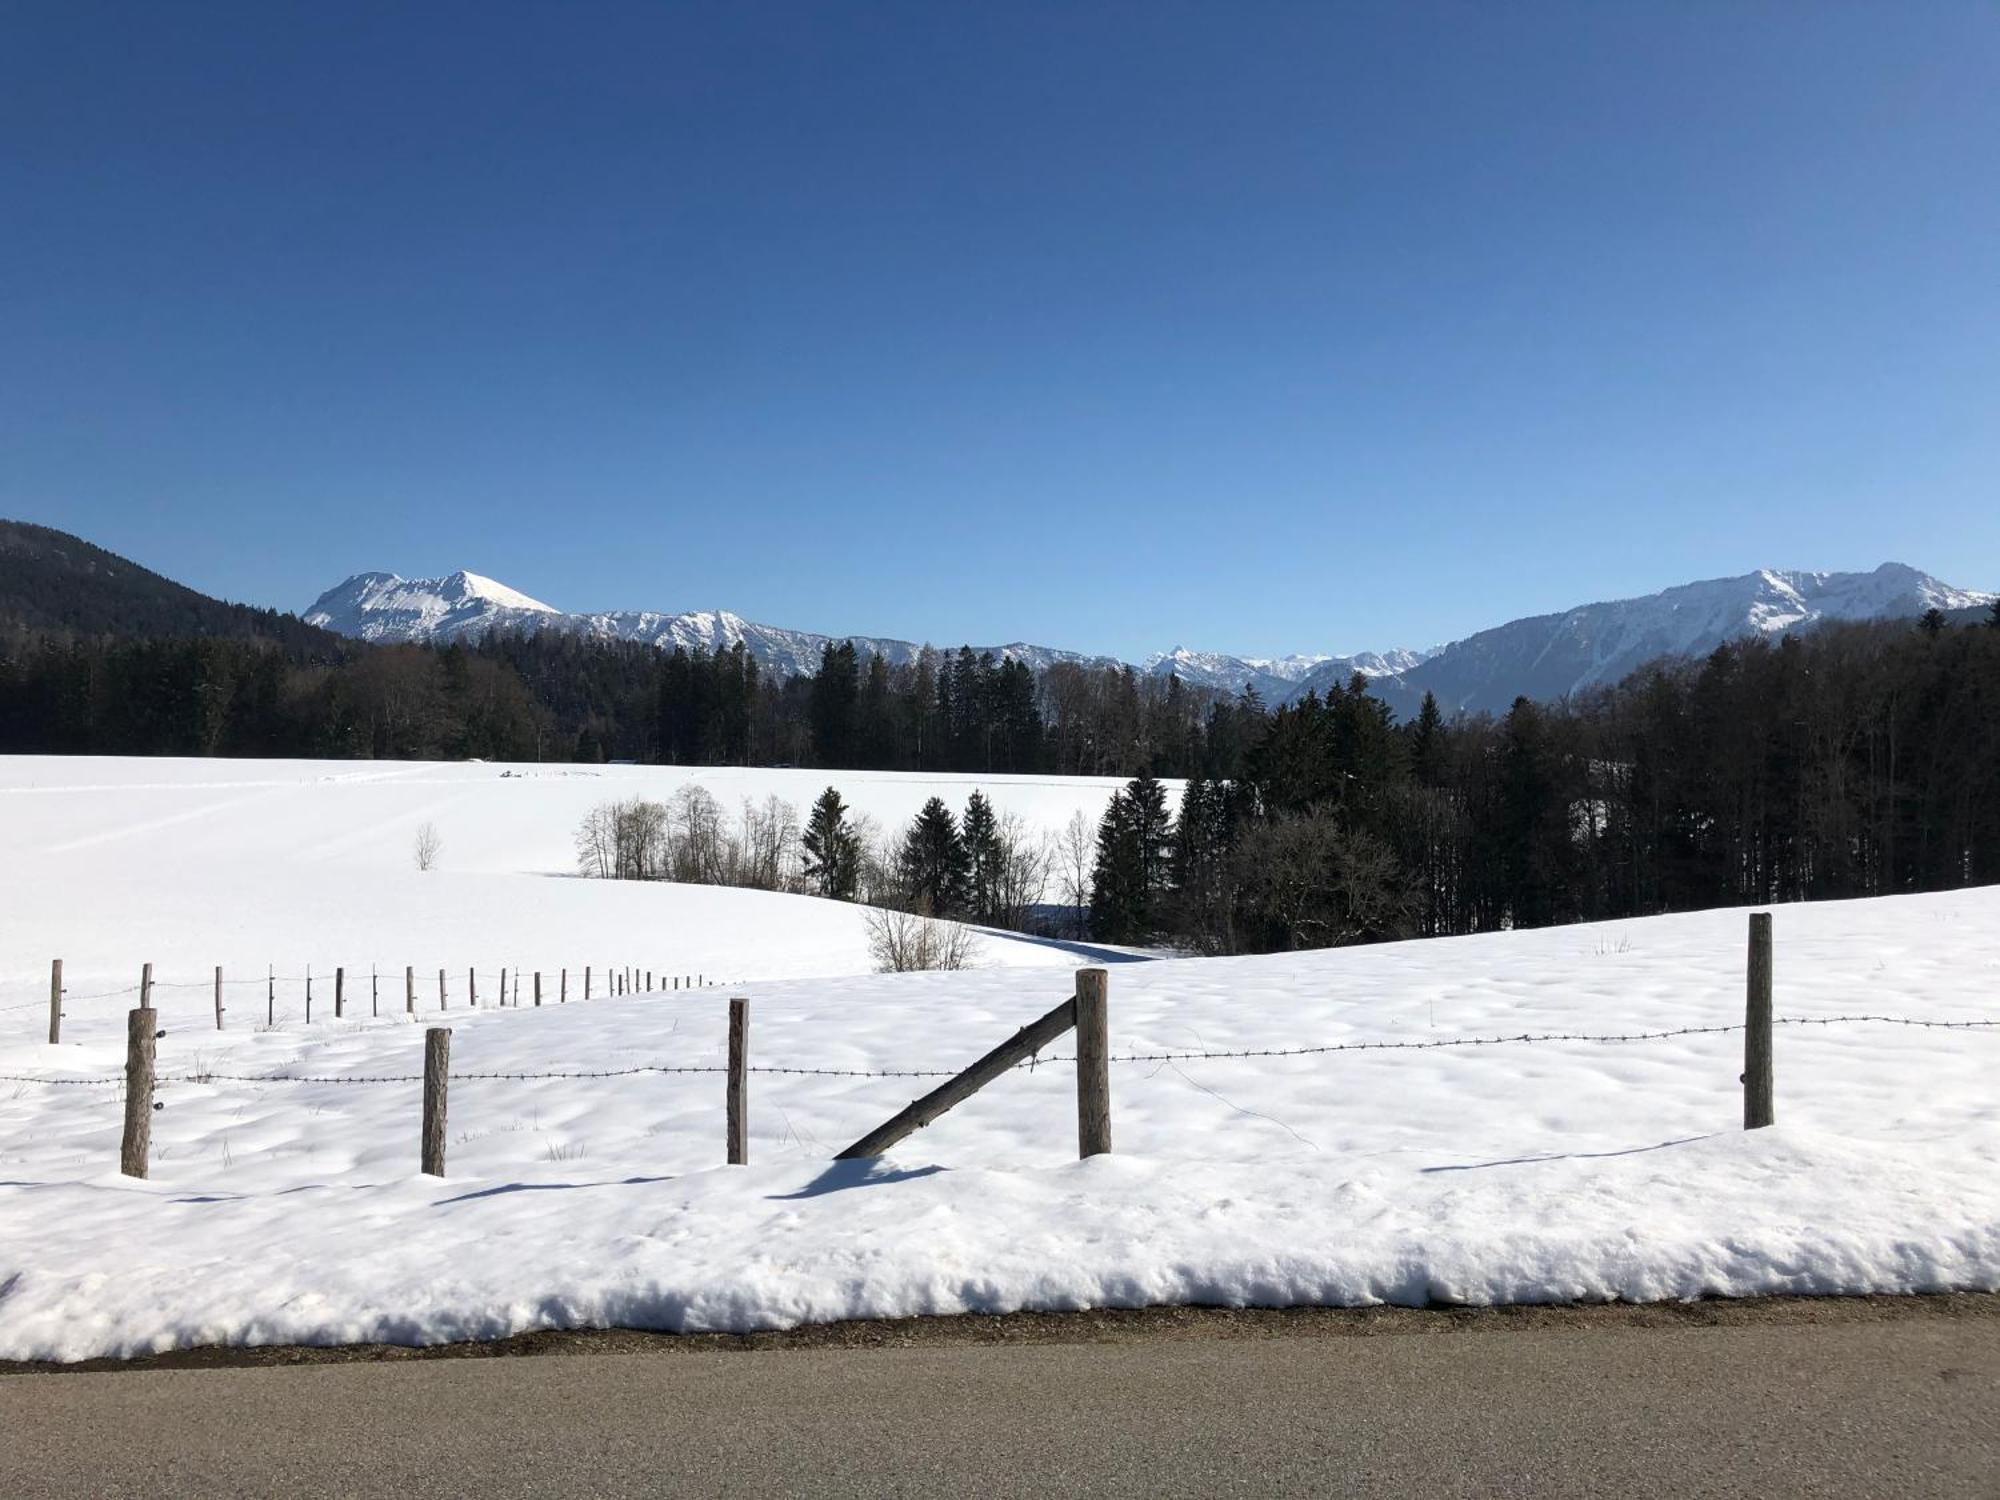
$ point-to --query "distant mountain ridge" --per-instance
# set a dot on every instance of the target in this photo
(1542, 657)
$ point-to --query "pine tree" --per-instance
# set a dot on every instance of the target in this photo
(1132, 876)
(833, 850)
(983, 856)
(932, 862)
(1993, 614)
(1427, 743)
(1932, 623)
(1115, 879)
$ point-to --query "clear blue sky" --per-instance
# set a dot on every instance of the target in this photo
(1254, 327)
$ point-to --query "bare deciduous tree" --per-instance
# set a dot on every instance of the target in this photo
(903, 942)
(429, 845)
(1075, 855)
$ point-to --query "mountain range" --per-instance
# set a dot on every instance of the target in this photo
(1541, 657)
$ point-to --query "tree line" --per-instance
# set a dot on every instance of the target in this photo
(556, 696)
(1853, 760)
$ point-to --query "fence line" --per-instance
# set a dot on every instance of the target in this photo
(783, 1070)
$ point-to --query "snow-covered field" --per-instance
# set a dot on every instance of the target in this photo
(259, 865)
(1512, 1172)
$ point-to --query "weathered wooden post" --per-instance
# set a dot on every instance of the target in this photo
(270, 994)
(472, 988)
(1093, 1062)
(309, 994)
(444, 1000)
(739, 1083)
(562, 987)
(503, 989)
(374, 992)
(1758, 1110)
(55, 1001)
(538, 989)
(218, 997)
(586, 981)
(339, 991)
(437, 1075)
(409, 989)
(140, 1038)
(146, 987)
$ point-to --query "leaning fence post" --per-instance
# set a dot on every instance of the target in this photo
(218, 997)
(55, 1001)
(1093, 1062)
(437, 1074)
(739, 1063)
(1757, 1102)
(140, 1038)
(409, 989)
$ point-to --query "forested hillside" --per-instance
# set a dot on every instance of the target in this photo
(52, 581)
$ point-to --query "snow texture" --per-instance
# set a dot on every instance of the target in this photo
(1479, 1174)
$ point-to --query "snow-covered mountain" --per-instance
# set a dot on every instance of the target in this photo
(465, 606)
(1550, 656)
(1543, 657)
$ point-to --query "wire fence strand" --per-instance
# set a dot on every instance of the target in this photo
(205, 1076)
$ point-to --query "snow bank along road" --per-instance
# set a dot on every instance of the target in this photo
(285, 1206)
(1788, 1408)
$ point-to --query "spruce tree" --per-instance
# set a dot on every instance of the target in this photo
(1116, 882)
(932, 862)
(833, 850)
(983, 857)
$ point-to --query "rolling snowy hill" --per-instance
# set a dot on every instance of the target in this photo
(1542, 657)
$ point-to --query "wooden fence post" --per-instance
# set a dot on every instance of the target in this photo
(562, 987)
(55, 1001)
(409, 989)
(586, 981)
(538, 989)
(309, 994)
(437, 1075)
(738, 1113)
(218, 997)
(270, 994)
(503, 989)
(1758, 1110)
(444, 1001)
(146, 987)
(339, 991)
(1093, 1062)
(677, 981)
(472, 988)
(374, 992)
(140, 1038)
(1018, 1048)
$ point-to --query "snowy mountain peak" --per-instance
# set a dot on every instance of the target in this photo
(1543, 657)
(389, 607)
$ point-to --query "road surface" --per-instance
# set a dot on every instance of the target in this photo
(1895, 1407)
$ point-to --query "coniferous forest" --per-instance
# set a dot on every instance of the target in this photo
(1851, 760)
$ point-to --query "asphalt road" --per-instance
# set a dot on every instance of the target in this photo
(1877, 1408)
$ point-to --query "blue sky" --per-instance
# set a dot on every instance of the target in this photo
(1242, 326)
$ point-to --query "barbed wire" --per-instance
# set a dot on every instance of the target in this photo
(203, 1076)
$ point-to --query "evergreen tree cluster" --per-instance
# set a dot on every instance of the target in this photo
(1856, 760)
